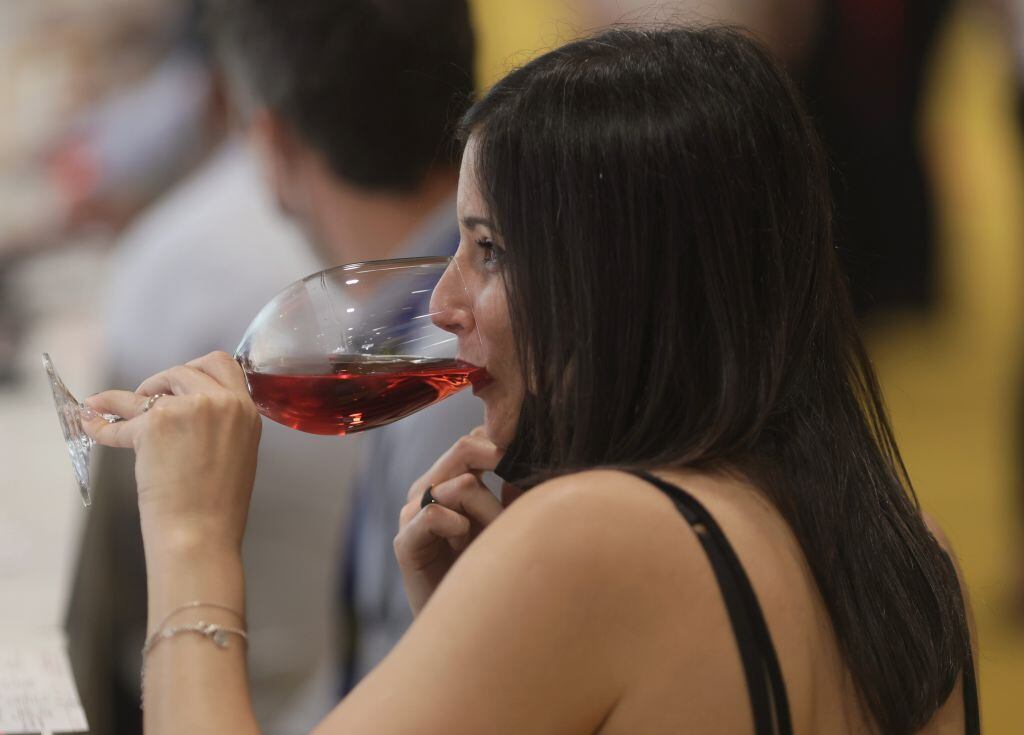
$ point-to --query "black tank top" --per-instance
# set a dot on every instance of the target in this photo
(765, 685)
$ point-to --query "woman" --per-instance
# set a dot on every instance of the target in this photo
(652, 285)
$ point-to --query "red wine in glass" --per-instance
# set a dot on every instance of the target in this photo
(374, 326)
(350, 393)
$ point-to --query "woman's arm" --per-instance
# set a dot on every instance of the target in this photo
(195, 462)
(189, 683)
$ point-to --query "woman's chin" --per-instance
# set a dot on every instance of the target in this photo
(498, 428)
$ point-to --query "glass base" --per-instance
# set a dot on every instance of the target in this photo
(69, 414)
(70, 417)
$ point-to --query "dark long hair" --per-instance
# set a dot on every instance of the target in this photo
(676, 301)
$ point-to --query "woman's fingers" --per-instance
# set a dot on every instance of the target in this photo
(469, 454)
(121, 403)
(432, 537)
(465, 494)
(461, 503)
(179, 381)
(223, 368)
(212, 374)
(416, 545)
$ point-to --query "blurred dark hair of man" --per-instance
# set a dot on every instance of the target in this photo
(352, 105)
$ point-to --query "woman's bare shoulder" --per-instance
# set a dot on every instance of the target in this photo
(624, 501)
(647, 570)
(620, 511)
(603, 491)
(632, 512)
(606, 534)
(616, 540)
(569, 513)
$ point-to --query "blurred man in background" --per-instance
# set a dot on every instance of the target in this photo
(353, 107)
(349, 109)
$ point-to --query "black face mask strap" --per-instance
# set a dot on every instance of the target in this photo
(512, 470)
(515, 467)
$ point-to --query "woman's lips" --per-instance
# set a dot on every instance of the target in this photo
(479, 379)
(478, 376)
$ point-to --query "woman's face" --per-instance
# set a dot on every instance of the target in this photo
(478, 313)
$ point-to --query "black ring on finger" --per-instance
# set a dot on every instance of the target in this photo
(428, 497)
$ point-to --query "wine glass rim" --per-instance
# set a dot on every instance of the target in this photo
(382, 264)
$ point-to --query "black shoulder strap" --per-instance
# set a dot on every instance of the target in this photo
(768, 699)
(972, 714)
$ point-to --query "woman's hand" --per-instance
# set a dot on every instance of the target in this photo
(195, 451)
(430, 539)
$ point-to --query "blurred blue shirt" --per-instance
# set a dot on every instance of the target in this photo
(394, 457)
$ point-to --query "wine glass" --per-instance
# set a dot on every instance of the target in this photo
(344, 350)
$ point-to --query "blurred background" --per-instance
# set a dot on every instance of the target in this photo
(110, 105)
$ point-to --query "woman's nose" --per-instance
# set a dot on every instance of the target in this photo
(450, 303)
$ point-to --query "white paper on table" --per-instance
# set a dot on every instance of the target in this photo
(37, 689)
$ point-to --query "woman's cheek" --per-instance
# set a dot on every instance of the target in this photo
(493, 324)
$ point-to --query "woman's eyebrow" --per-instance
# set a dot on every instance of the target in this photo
(472, 222)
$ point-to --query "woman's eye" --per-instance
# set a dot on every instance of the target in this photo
(492, 253)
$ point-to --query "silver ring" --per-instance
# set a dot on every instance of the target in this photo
(151, 400)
